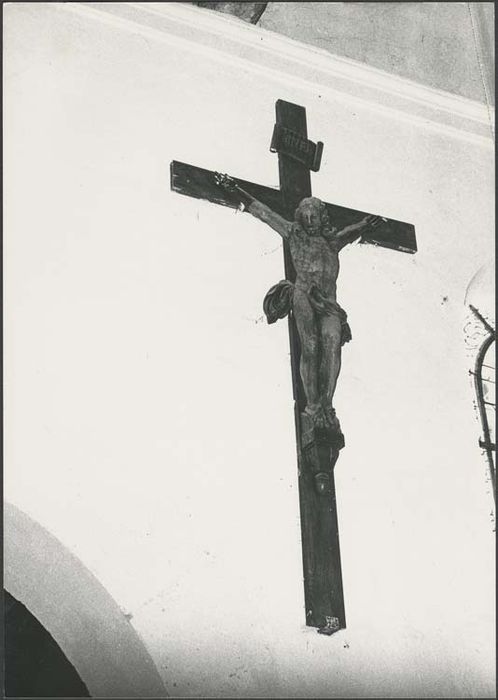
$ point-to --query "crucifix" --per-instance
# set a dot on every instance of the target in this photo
(313, 234)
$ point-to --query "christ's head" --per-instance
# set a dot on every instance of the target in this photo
(311, 214)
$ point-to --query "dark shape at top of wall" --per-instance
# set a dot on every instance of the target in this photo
(247, 11)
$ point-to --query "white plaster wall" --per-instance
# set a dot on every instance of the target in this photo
(148, 405)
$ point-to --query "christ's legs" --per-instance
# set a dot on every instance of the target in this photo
(308, 335)
(330, 361)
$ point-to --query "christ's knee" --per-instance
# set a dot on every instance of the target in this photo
(331, 332)
(309, 349)
(331, 346)
(331, 338)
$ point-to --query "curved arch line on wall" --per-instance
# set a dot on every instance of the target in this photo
(77, 611)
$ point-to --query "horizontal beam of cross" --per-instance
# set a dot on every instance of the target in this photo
(200, 183)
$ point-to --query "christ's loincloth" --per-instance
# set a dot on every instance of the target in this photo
(278, 303)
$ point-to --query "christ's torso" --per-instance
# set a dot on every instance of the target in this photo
(316, 261)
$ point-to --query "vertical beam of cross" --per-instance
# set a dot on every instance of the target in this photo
(295, 184)
(323, 590)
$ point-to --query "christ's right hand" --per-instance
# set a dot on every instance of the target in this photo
(225, 181)
(229, 185)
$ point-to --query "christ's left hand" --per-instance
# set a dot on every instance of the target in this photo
(371, 221)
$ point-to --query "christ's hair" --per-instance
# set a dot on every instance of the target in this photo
(313, 201)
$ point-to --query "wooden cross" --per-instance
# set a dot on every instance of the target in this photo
(324, 599)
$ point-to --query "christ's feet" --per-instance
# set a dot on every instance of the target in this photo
(332, 420)
(324, 418)
(322, 427)
(315, 412)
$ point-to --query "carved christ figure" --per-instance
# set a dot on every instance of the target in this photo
(321, 323)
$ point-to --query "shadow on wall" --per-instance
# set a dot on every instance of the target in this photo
(84, 621)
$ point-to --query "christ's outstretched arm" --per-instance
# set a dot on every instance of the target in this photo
(255, 207)
(350, 233)
(270, 217)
